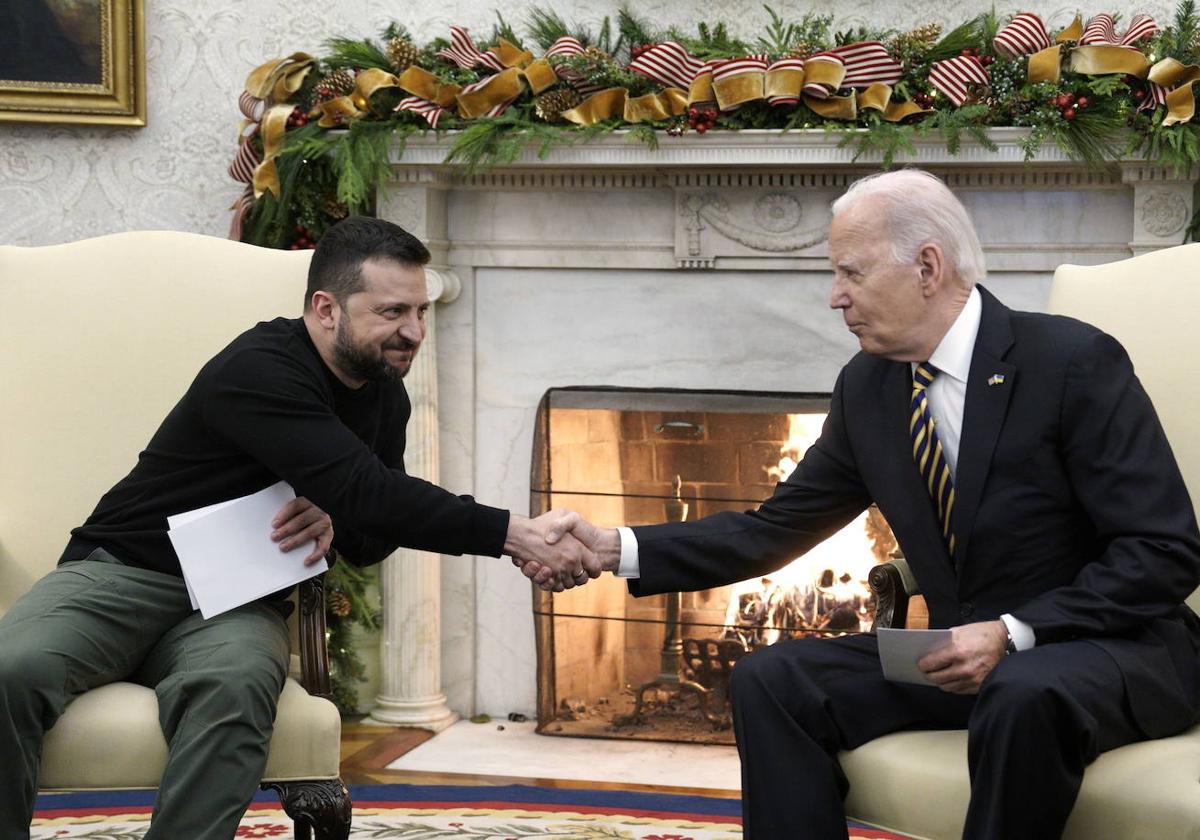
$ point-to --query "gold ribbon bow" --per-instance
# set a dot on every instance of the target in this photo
(279, 78)
(1181, 100)
(878, 97)
(275, 81)
(424, 84)
(479, 99)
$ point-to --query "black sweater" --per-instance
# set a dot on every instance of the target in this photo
(268, 408)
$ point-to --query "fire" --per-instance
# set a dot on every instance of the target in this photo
(827, 586)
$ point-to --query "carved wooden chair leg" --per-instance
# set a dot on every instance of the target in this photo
(320, 806)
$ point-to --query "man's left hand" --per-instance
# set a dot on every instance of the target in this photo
(974, 650)
(300, 521)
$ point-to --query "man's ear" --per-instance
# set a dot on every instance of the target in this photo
(323, 306)
(931, 263)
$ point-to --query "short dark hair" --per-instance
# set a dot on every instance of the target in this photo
(336, 265)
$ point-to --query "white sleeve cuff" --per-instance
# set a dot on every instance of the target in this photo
(628, 567)
(1022, 633)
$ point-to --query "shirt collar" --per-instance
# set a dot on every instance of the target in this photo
(953, 354)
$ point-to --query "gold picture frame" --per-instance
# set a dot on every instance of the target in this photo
(73, 61)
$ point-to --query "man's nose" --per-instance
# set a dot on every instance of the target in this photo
(838, 299)
(412, 329)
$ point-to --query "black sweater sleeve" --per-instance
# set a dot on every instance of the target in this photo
(270, 405)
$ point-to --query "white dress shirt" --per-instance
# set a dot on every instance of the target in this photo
(947, 396)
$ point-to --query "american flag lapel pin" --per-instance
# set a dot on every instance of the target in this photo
(996, 379)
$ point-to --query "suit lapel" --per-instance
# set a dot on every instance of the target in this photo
(989, 387)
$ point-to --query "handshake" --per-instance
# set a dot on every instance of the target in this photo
(560, 550)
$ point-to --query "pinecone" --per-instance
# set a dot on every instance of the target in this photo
(926, 35)
(802, 49)
(338, 83)
(550, 105)
(339, 604)
(598, 62)
(402, 53)
(335, 209)
(917, 40)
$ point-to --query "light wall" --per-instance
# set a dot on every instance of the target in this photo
(60, 183)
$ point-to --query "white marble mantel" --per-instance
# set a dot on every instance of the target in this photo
(701, 264)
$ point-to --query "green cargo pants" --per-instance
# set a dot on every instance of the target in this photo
(96, 621)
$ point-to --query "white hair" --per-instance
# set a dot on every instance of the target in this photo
(918, 208)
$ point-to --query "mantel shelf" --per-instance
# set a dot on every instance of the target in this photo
(764, 149)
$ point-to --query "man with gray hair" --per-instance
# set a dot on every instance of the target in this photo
(1028, 481)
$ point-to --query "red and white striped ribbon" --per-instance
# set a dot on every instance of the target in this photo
(568, 46)
(1102, 29)
(251, 106)
(240, 208)
(431, 111)
(1158, 96)
(785, 64)
(247, 158)
(952, 76)
(868, 63)
(737, 66)
(463, 52)
(1023, 35)
(669, 64)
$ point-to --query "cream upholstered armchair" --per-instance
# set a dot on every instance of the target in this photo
(917, 782)
(103, 337)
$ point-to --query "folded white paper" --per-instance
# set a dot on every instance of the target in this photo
(899, 651)
(227, 555)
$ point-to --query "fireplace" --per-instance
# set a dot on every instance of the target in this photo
(657, 668)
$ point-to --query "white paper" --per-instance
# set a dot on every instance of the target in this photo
(899, 651)
(227, 555)
(175, 520)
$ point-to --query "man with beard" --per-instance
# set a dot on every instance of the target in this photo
(317, 401)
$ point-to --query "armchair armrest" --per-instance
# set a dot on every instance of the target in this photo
(314, 654)
(893, 584)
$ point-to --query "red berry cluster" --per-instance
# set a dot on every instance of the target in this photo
(985, 60)
(297, 118)
(924, 100)
(304, 239)
(636, 51)
(1068, 104)
(702, 119)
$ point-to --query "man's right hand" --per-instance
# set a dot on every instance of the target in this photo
(554, 565)
(604, 544)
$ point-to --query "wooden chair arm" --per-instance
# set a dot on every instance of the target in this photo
(893, 584)
(314, 655)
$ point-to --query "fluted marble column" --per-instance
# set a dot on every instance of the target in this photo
(410, 648)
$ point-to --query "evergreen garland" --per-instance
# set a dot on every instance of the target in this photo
(325, 174)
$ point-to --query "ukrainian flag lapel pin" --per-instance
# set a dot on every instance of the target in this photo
(996, 379)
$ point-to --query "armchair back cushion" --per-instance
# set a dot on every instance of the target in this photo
(1150, 304)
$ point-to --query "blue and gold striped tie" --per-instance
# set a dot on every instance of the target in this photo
(927, 452)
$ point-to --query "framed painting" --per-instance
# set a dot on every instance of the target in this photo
(72, 61)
